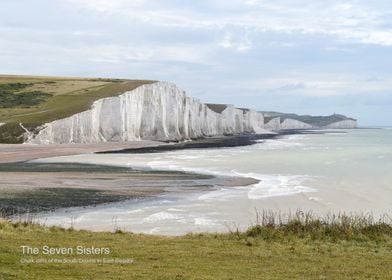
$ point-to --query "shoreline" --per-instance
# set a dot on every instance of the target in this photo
(28, 188)
(25, 152)
(227, 141)
(52, 186)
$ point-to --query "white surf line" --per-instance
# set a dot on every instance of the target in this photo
(268, 186)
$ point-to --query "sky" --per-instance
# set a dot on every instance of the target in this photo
(302, 56)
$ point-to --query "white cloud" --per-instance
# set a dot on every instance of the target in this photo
(242, 44)
(110, 6)
(311, 85)
(146, 53)
(351, 21)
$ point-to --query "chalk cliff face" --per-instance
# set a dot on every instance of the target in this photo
(159, 111)
(346, 124)
(294, 124)
(295, 121)
(273, 124)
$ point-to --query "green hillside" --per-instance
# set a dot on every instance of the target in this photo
(34, 101)
(345, 248)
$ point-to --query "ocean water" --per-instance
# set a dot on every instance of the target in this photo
(349, 171)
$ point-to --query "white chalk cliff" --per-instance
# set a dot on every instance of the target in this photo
(159, 111)
(345, 124)
(273, 124)
(294, 124)
(276, 124)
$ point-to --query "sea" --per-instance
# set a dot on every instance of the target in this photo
(343, 171)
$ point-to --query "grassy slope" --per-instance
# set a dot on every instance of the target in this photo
(68, 96)
(273, 255)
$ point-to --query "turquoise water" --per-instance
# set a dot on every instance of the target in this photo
(349, 171)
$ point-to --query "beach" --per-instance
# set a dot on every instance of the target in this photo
(27, 187)
(24, 152)
(324, 173)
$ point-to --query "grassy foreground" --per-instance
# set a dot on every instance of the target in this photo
(342, 248)
(33, 101)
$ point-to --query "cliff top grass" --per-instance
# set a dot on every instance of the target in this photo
(33, 100)
(346, 247)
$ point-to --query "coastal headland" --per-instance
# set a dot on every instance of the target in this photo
(55, 116)
(60, 116)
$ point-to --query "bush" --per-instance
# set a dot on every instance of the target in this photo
(23, 99)
(11, 98)
(272, 225)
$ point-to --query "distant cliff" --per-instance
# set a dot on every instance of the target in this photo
(159, 111)
(279, 121)
(342, 124)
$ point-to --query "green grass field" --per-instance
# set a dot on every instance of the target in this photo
(302, 249)
(34, 101)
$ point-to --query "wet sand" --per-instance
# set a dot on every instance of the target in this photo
(25, 187)
(24, 152)
(36, 187)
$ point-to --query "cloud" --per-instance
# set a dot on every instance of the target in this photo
(314, 85)
(147, 53)
(254, 53)
(349, 21)
(242, 44)
(292, 87)
(110, 6)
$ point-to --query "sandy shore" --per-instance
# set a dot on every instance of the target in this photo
(31, 187)
(138, 183)
(24, 152)
(37, 187)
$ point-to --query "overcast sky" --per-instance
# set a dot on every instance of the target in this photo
(303, 56)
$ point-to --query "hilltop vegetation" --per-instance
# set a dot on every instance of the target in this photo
(34, 101)
(12, 97)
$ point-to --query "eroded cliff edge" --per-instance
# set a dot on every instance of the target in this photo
(160, 111)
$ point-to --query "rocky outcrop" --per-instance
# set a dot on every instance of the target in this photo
(346, 124)
(159, 111)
